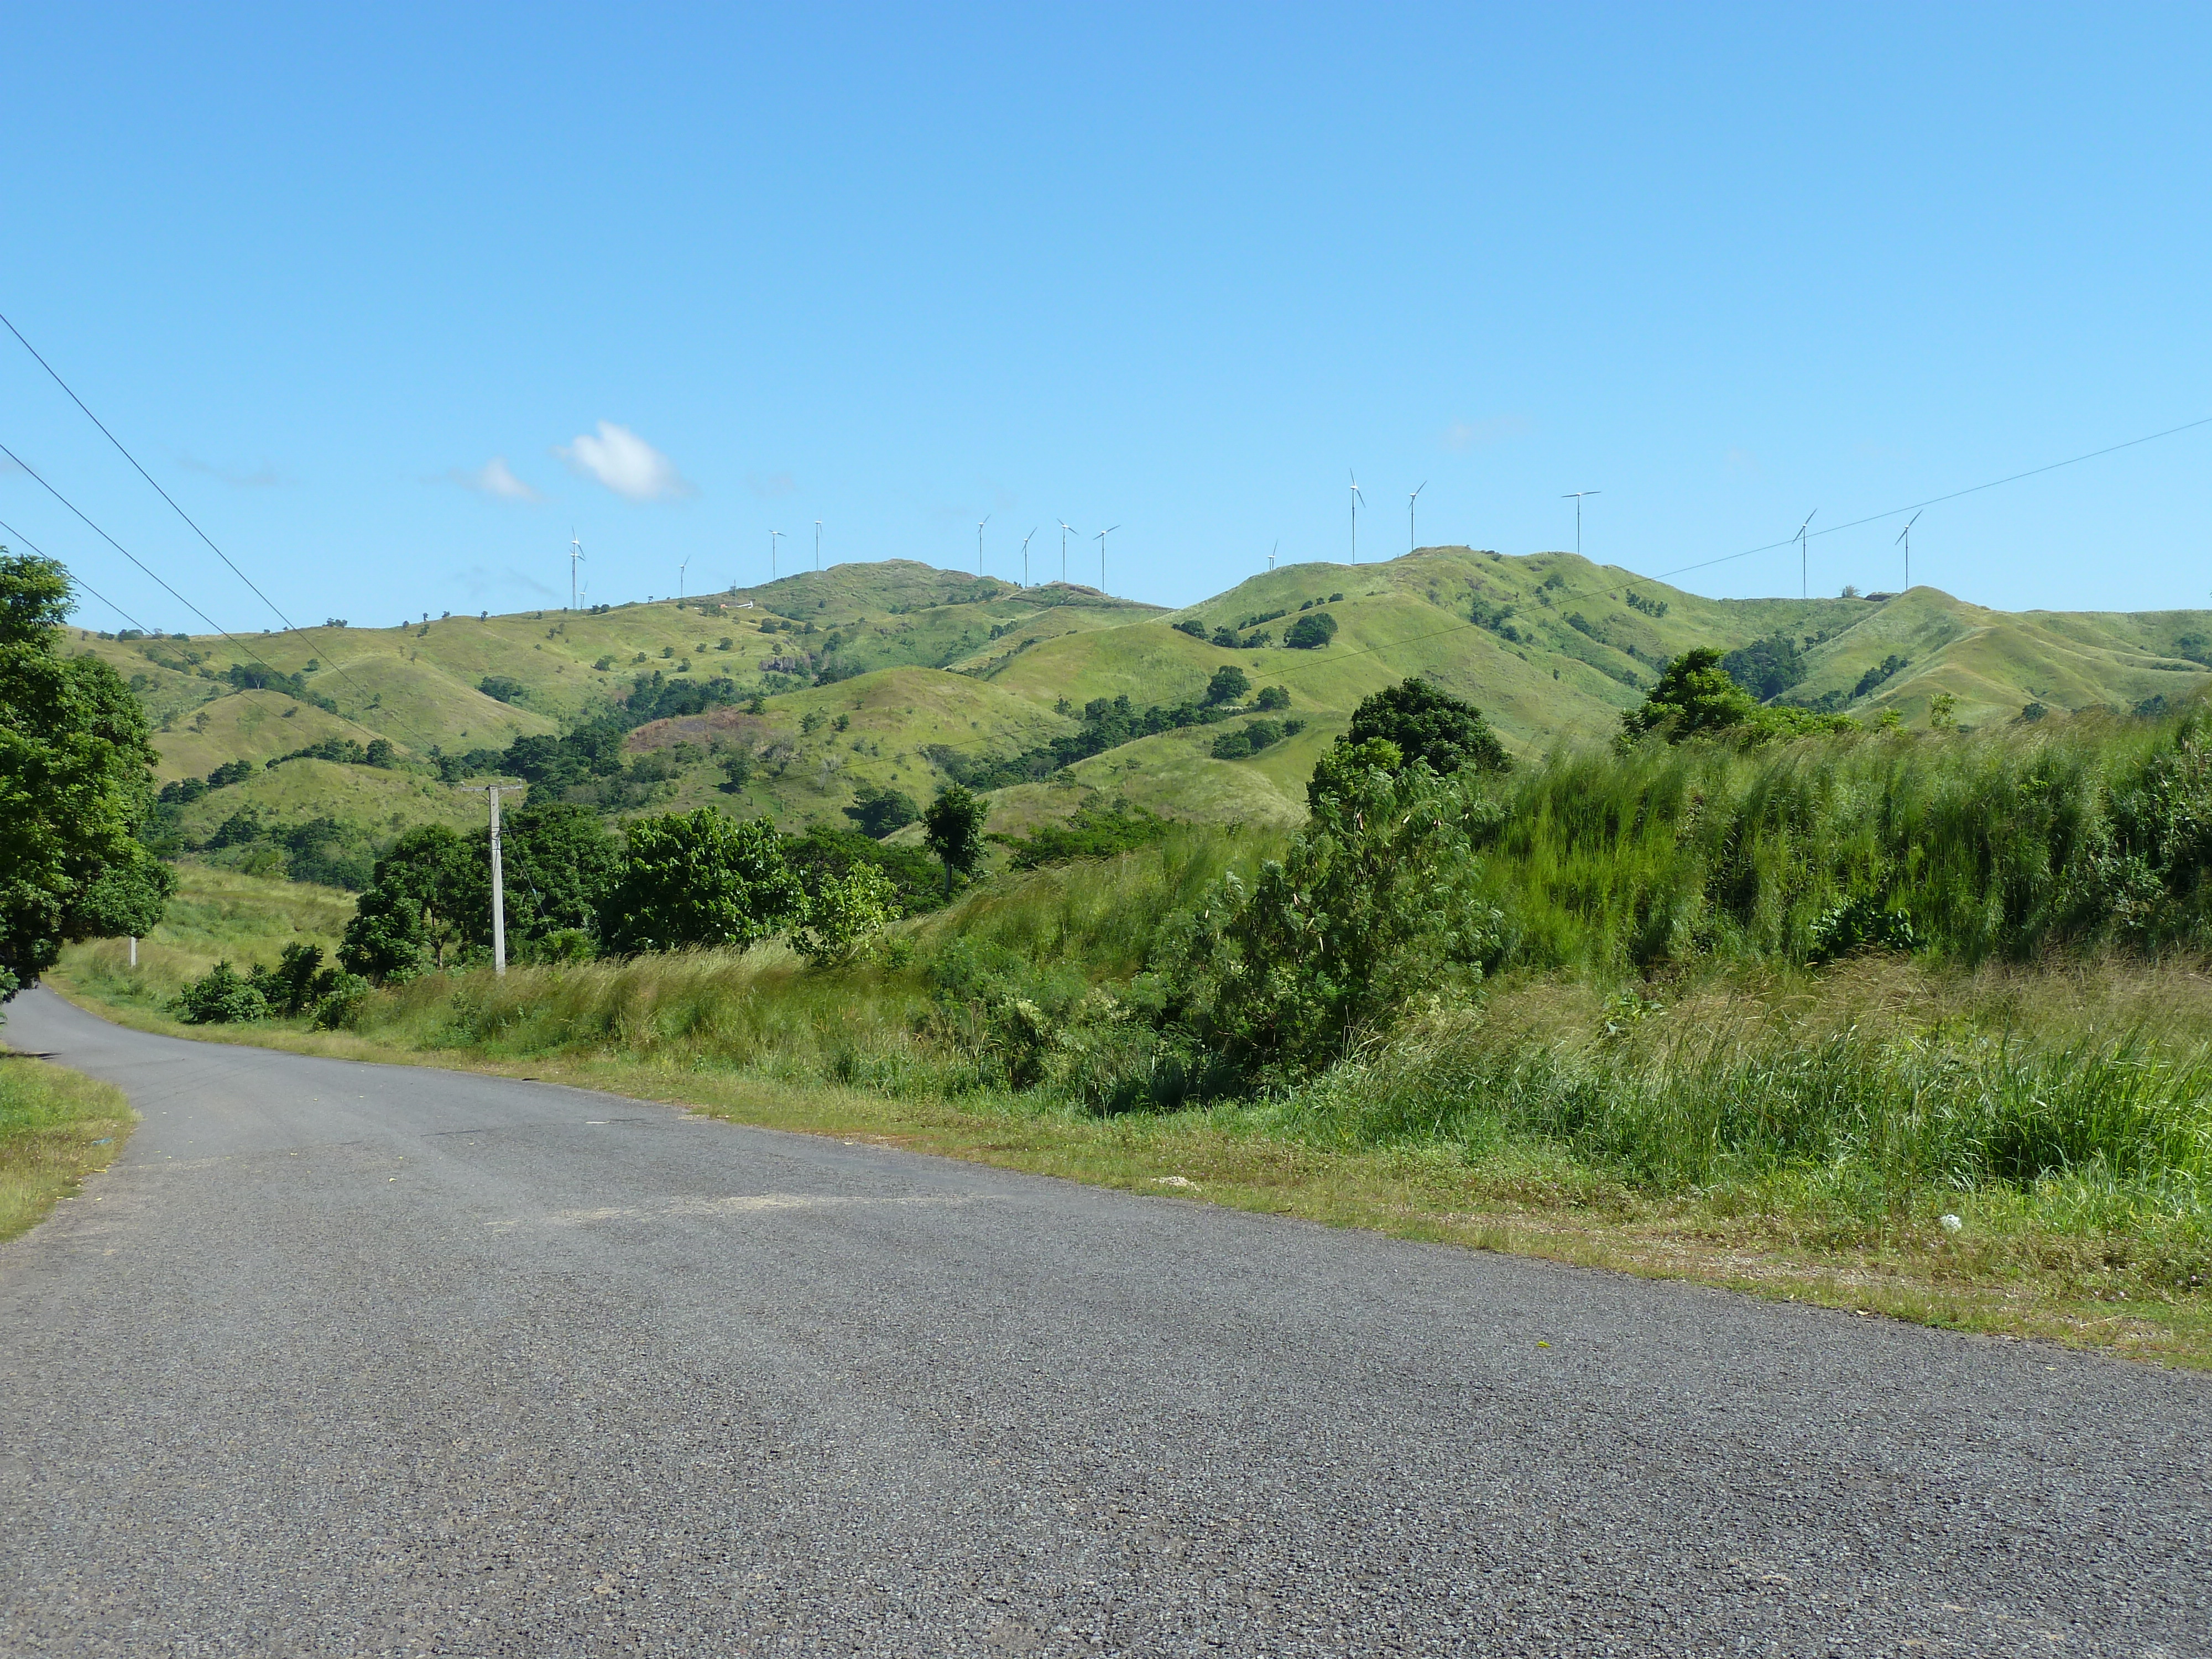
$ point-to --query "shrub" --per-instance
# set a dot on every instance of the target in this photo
(697, 879)
(845, 912)
(1310, 631)
(1229, 684)
(502, 689)
(222, 996)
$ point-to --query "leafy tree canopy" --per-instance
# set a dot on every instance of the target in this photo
(75, 786)
(877, 810)
(1430, 725)
(953, 829)
(699, 878)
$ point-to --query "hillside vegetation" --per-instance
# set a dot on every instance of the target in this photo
(794, 698)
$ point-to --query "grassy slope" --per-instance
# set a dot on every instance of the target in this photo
(56, 1127)
(936, 675)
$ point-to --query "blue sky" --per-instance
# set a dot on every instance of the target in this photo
(354, 282)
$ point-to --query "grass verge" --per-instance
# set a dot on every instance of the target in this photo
(1996, 1276)
(56, 1127)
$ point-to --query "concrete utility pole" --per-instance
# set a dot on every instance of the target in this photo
(498, 892)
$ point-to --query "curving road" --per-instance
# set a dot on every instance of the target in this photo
(355, 1359)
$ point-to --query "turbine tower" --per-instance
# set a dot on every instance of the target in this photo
(1358, 500)
(1025, 556)
(818, 546)
(1410, 500)
(773, 536)
(1804, 558)
(1576, 496)
(980, 523)
(1103, 535)
(1066, 531)
(1272, 551)
(680, 570)
(1904, 536)
(575, 552)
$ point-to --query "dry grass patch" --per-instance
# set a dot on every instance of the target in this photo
(56, 1127)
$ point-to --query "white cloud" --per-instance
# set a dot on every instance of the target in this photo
(1466, 434)
(494, 478)
(625, 464)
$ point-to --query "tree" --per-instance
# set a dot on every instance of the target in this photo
(952, 829)
(699, 878)
(1768, 667)
(1694, 694)
(1348, 769)
(843, 912)
(1430, 725)
(877, 810)
(416, 908)
(1314, 629)
(1229, 684)
(75, 786)
(558, 863)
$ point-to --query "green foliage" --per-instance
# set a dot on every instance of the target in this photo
(1253, 736)
(222, 996)
(1429, 724)
(1094, 832)
(1887, 669)
(1767, 668)
(503, 687)
(1310, 632)
(414, 910)
(75, 786)
(1697, 698)
(953, 828)
(1348, 769)
(825, 852)
(1379, 898)
(700, 879)
(1273, 696)
(1229, 684)
(877, 810)
(844, 912)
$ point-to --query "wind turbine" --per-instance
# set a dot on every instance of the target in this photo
(575, 552)
(1272, 551)
(1905, 537)
(1025, 556)
(1103, 535)
(1576, 496)
(980, 523)
(1804, 558)
(817, 545)
(680, 569)
(1358, 500)
(773, 537)
(1410, 500)
(1066, 531)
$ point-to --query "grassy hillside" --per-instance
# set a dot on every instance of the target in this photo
(827, 682)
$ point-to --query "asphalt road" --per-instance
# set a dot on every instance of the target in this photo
(358, 1359)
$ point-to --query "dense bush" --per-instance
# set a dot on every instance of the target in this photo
(222, 996)
(699, 879)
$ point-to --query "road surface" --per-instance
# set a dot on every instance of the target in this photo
(357, 1359)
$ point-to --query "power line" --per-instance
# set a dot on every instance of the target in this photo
(211, 623)
(289, 628)
(1933, 501)
(74, 579)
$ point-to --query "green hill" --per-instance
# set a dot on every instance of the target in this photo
(789, 697)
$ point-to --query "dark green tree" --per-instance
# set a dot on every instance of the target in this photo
(1694, 694)
(75, 786)
(699, 878)
(415, 909)
(558, 863)
(1229, 684)
(1314, 629)
(952, 829)
(877, 810)
(1430, 725)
